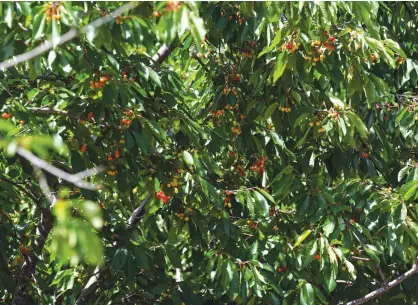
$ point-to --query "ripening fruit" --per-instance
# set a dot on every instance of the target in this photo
(21, 122)
(317, 257)
(311, 124)
(321, 130)
(186, 218)
(83, 122)
(117, 153)
(6, 115)
(125, 122)
(83, 148)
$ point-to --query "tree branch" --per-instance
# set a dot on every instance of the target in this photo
(53, 42)
(360, 258)
(159, 57)
(163, 53)
(74, 179)
(386, 287)
(29, 266)
(97, 275)
(138, 212)
(91, 284)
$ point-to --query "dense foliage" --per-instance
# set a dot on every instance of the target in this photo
(256, 152)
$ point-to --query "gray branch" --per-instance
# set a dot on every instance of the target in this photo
(53, 42)
(75, 179)
(386, 287)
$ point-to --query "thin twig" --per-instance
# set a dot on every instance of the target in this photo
(386, 287)
(360, 258)
(74, 179)
(347, 283)
(53, 42)
(20, 187)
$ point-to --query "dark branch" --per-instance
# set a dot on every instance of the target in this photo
(163, 53)
(138, 212)
(31, 259)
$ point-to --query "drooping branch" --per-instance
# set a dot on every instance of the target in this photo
(53, 42)
(386, 287)
(74, 179)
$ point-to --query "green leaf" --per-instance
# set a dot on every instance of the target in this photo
(119, 259)
(154, 77)
(261, 204)
(306, 294)
(92, 212)
(280, 66)
(265, 194)
(197, 28)
(370, 92)
(329, 225)
(188, 158)
(358, 123)
(274, 43)
(373, 252)
(270, 110)
(9, 14)
(253, 251)
(38, 26)
(336, 101)
(409, 189)
(301, 238)
(393, 45)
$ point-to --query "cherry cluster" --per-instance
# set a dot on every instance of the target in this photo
(161, 195)
(258, 167)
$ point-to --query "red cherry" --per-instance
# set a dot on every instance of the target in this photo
(6, 115)
(317, 257)
(332, 39)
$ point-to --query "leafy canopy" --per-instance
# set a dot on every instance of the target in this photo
(262, 152)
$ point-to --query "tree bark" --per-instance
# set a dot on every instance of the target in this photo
(163, 53)
(28, 269)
